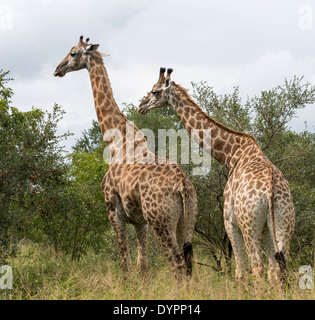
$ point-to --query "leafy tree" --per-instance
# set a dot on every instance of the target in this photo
(91, 140)
(44, 195)
(31, 164)
(86, 174)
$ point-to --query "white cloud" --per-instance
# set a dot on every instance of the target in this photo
(253, 44)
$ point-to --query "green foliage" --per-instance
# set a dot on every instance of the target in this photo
(227, 109)
(44, 196)
(91, 140)
(86, 173)
(296, 161)
(31, 163)
(276, 107)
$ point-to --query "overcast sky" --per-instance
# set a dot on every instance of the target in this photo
(253, 44)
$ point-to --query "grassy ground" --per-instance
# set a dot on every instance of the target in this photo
(38, 274)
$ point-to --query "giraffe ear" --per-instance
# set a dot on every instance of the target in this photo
(91, 48)
(167, 84)
(168, 79)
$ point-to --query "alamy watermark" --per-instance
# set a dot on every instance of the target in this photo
(6, 18)
(306, 280)
(6, 277)
(128, 147)
(305, 17)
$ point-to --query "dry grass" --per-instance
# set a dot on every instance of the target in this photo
(38, 274)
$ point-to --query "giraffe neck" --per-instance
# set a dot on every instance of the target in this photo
(110, 119)
(226, 145)
(107, 111)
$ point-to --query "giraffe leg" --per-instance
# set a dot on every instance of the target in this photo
(268, 246)
(163, 218)
(274, 275)
(252, 235)
(235, 236)
(277, 271)
(142, 232)
(175, 256)
(172, 252)
(119, 227)
(236, 239)
(253, 252)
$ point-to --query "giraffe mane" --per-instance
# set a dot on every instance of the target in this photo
(184, 94)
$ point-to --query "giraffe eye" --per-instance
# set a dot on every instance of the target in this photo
(72, 54)
(154, 92)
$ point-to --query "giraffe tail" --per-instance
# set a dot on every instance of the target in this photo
(279, 256)
(187, 248)
(182, 189)
(188, 255)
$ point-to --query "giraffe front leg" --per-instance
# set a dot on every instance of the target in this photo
(142, 232)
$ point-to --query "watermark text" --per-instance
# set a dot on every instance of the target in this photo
(6, 277)
(306, 280)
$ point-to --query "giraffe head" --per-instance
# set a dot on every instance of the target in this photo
(160, 94)
(78, 58)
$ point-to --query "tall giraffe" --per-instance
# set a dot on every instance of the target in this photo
(141, 192)
(257, 199)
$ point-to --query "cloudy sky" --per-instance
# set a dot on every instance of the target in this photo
(253, 44)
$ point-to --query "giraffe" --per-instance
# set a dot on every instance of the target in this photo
(257, 199)
(147, 191)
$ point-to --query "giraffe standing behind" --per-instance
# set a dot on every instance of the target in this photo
(147, 190)
(257, 200)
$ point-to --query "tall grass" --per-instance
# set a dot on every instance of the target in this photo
(39, 274)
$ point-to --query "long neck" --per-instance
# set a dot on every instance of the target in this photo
(225, 145)
(111, 120)
(107, 111)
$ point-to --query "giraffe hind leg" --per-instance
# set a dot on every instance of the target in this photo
(142, 232)
(115, 213)
(171, 250)
(279, 257)
(120, 230)
(269, 248)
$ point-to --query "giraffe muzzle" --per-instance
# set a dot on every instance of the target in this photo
(61, 69)
(58, 74)
(143, 110)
